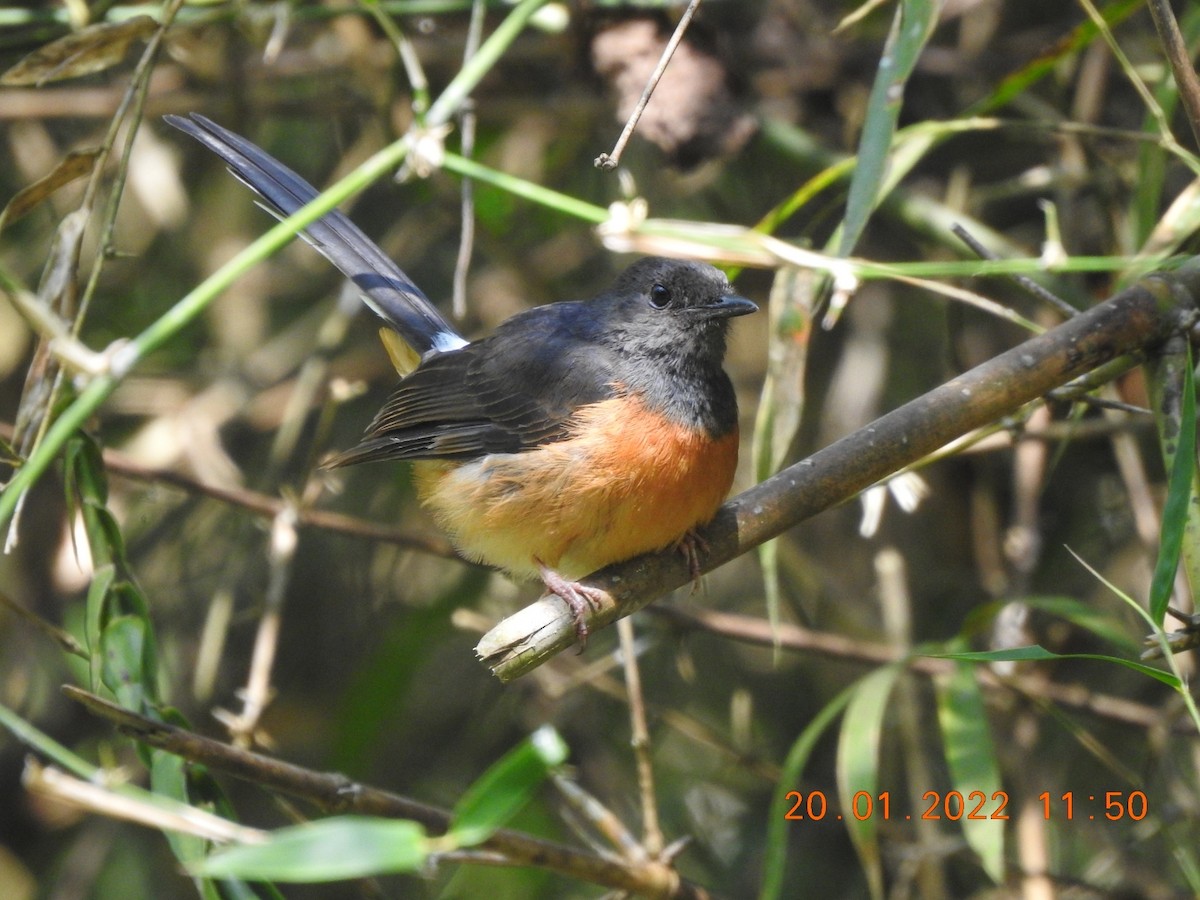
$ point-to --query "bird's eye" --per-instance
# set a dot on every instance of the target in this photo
(660, 296)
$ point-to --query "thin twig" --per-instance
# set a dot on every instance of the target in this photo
(609, 161)
(408, 58)
(652, 836)
(1167, 136)
(130, 111)
(583, 808)
(66, 641)
(57, 785)
(268, 507)
(1180, 59)
(1027, 283)
(797, 638)
(257, 693)
(43, 321)
(1073, 395)
(466, 242)
(36, 404)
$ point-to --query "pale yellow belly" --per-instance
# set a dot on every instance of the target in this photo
(618, 490)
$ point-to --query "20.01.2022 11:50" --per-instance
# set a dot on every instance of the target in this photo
(976, 805)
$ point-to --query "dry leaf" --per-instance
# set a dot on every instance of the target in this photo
(75, 164)
(84, 52)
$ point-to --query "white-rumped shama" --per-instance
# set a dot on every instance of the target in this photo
(576, 435)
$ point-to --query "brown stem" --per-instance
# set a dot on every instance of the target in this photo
(1180, 59)
(835, 646)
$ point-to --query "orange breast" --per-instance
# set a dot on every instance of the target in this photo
(627, 483)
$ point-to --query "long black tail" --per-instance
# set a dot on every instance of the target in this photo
(386, 289)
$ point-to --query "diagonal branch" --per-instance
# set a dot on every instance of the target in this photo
(1138, 318)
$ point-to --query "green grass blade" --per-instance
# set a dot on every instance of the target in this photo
(506, 787)
(775, 858)
(858, 764)
(1037, 653)
(911, 28)
(1088, 617)
(1019, 82)
(971, 758)
(1179, 495)
(331, 849)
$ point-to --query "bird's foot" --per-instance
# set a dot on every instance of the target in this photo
(691, 545)
(580, 599)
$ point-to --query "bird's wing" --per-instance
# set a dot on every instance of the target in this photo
(515, 390)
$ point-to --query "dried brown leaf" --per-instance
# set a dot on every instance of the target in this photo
(84, 52)
(75, 164)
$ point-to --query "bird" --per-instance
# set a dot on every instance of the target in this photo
(577, 434)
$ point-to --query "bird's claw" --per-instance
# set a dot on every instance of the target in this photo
(581, 600)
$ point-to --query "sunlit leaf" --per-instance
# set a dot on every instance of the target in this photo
(911, 28)
(506, 786)
(328, 850)
(169, 779)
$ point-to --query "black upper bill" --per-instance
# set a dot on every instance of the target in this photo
(728, 306)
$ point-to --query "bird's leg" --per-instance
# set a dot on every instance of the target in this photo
(691, 545)
(579, 598)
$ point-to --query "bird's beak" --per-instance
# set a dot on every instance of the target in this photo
(727, 307)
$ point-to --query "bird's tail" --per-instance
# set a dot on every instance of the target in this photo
(385, 288)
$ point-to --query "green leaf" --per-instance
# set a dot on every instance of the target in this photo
(328, 850)
(506, 786)
(173, 777)
(1036, 652)
(97, 613)
(781, 403)
(793, 767)
(858, 764)
(84, 471)
(1022, 80)
(1089, 618)
(168, 778)
(911, 28)
(123, 649)
(971, 758)
(1179, 496)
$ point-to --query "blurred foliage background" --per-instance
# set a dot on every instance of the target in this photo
(374, 673)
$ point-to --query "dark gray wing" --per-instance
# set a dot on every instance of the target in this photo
(514, 390)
